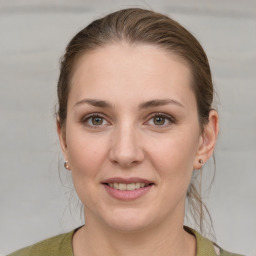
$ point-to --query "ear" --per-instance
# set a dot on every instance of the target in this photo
(207, 140)
(62, 138)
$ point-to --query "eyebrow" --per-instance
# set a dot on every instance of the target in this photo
(147, 104)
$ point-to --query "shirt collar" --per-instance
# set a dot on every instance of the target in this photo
(204, 246)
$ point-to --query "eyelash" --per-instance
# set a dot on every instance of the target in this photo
(169, 118)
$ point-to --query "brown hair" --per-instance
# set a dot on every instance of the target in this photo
(143, 26)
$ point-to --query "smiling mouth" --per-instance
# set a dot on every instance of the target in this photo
(129, 186)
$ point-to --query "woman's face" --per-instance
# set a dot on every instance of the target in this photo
(132, 136)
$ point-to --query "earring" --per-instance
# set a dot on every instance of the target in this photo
(201, 162)
(66, 165)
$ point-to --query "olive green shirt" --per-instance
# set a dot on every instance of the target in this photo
(61, 245)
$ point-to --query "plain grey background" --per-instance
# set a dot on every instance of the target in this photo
(35, 198)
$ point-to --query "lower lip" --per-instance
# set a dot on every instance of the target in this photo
(127, 194)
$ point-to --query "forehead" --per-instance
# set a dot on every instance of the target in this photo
(124, 68)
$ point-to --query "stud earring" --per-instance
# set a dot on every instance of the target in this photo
(201, 162)
(66, 165)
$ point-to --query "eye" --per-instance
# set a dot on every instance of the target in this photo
(94, 120)
(161, 119)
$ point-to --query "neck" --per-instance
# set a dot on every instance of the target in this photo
(162, 240)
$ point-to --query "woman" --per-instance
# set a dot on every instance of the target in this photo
(135, 121)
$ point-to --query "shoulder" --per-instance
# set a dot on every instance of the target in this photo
(207, 247)
(219, 251)
(60, 245)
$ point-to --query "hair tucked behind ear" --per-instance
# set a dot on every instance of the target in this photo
(138, 26)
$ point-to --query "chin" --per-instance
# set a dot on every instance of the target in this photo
(126, 221)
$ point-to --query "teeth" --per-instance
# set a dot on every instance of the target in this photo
(137, 185)
(122, 186)
(130, 186)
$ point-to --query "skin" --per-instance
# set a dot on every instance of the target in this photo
(130, 141)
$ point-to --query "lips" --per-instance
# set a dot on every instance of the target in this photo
(127, 189)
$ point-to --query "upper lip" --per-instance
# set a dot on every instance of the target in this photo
(127, 180)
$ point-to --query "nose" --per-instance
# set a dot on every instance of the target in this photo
(126, 150)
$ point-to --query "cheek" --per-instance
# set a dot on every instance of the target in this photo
(173, 161)
(176, 151)
(86, 156)
(85, 153)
